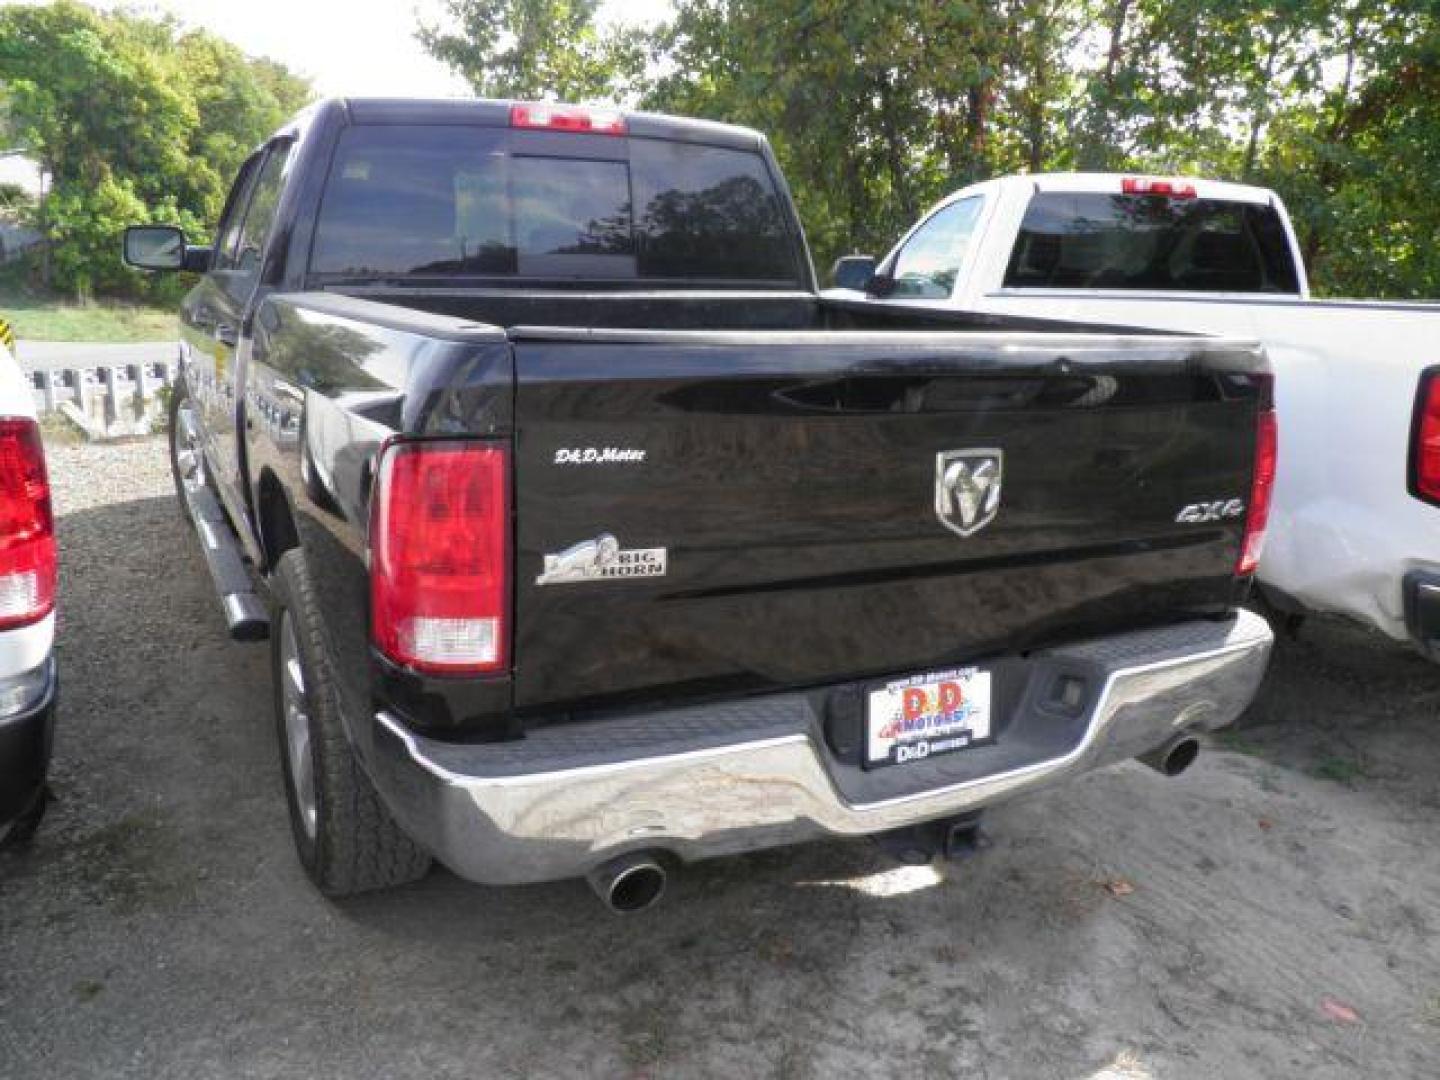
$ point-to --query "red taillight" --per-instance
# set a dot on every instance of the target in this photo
(1425, 450)
(567, 118)
(1145, 185)
(27, 528)
(440, 556)
(1262, 487)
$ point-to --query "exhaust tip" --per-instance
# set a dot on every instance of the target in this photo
(1181, 756)
(1174, 757)
(637, 888)
(628, 884)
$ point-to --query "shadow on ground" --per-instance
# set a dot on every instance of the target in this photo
(1342, 703)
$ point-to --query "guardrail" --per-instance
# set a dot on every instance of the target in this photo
(106, 400)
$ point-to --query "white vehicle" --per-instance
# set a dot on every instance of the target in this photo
(28, 681)
(1355, 523)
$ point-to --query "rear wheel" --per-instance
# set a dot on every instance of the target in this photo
(346, 839)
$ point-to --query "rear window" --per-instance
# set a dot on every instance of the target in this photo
(1150, 242)
(471, 201)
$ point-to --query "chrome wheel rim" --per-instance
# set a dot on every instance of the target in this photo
(297, 725)
(189, 461)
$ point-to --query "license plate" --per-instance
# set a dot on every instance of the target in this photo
(917, 718)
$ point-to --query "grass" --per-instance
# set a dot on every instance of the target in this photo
(1342, 770)
(51, 318)
(1237, 742)
(40, 316)
(88, 989)
(58, 431)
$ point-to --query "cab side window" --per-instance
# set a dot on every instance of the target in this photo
(248, 224)
(228, 234)
(928, 266)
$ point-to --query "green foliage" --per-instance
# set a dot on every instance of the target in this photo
(84, 224)
(41, 315)
(876, 108)
(1359, 161)
(134, 121)
(1334, 103)
(533, 49)
(15, 201)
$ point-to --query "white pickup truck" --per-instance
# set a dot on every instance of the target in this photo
(1355, 523)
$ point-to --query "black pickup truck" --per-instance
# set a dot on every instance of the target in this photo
(590, 539)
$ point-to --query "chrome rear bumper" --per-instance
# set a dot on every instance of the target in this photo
(717, 780)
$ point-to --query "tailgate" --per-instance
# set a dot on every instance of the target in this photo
(707, 514)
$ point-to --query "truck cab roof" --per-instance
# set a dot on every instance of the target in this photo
(492, 112)
(1114, 184)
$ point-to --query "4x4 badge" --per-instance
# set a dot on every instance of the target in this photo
(967, 488)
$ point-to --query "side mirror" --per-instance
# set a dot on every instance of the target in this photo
(881, 286)
(162, 248)
(853, 272)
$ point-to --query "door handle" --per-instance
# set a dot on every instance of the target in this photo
(225, 334)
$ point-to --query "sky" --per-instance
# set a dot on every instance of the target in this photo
(18, 169)
(351, 47)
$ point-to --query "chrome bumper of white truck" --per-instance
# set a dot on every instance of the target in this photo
(548, 808)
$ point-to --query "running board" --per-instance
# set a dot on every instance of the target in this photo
(245, 613)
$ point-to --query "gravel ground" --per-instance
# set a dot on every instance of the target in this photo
(1270, 914)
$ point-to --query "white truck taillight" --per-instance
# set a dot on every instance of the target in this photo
(1262, 486)
(1425, 440)
(27, 527)
(440, 556)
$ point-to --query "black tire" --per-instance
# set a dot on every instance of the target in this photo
(356, 845)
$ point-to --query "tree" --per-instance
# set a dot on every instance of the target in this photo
(878, 107)
(1358, 162)
(133, 121)
(238, 102)
(875, 108)
(538, 49)
(1334, 103)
